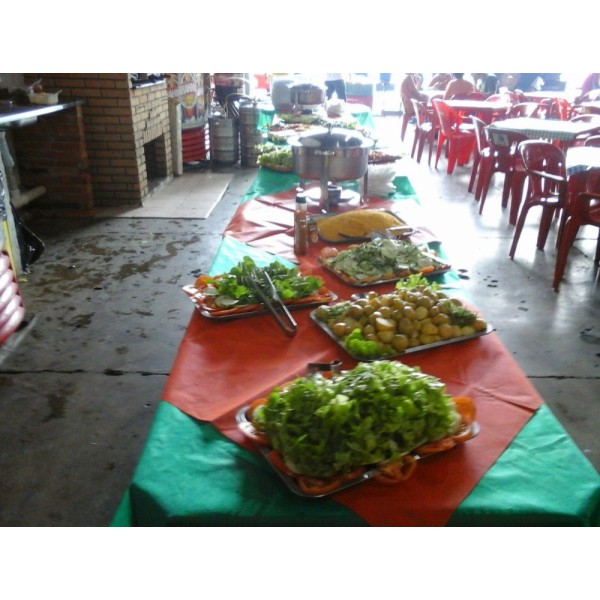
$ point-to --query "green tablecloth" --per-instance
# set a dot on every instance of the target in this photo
(190, 474)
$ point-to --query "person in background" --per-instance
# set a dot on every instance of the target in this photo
(486, 83)
(335, 84)
(409, 89)
(439, 81)
(591, 82)
(458, 85)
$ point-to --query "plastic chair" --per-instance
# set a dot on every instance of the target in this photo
(504, 158)
(425, 130)
(592, 140)
(469, 96)
(524, 109)
(481, 156)
(547, 178)
(458, 137)
(407, 114)
(559, 108)
(584, 210)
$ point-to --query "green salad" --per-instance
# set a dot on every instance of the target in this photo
(229, 289)
(382, 258)
(376, 412)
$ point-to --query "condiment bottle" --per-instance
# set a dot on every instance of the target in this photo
(300, 225)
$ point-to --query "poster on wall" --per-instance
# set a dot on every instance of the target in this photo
(187, 89)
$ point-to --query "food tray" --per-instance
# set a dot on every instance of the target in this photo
(440, 267)
(277, 168)
(448, 342)
(252, 310)
(358, 239)
(370, 472)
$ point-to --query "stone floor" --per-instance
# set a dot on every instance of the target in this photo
(78, 393)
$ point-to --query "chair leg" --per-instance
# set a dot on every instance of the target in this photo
(421, 147)
(545, 224)
(518, 229)
(483, 182)
(567, 240)
(440, 144)
(518, 186)
(475, 168)
(431, 146)
(415, 143)
(405, 119)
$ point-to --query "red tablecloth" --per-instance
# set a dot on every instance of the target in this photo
(223, 365)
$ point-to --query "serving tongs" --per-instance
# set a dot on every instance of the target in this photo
(271, 299)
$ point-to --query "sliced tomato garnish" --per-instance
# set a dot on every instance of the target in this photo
(435, 447)
(316, 486)
(355, 474)
(463, 434)
(466, 409)
(277, 461)
(253, 406)
(248, 429)
(396, 471)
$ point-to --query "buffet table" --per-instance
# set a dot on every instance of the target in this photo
(198, 469)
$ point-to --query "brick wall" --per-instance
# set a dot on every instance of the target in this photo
(119, 121)
(52, 153)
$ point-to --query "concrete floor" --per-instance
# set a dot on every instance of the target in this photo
(78, 393)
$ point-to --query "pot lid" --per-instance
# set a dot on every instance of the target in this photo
(331, 139)
(307, 87)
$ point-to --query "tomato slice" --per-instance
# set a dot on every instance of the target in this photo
(258, 437)
(466, 409)
(316, 487)
(396, 471)
(253, 406)
(355, 474)
(435, 447)
(464, 434)
(277, 461)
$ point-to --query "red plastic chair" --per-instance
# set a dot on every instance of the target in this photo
(470, 96)
(407, 115)
(458, 137)
(425, 130)
(584, 210)
(524, 109)
(592, 140)
(481, 156)
(12, 311)
(580, 140)
(547, 178)
(505, 159)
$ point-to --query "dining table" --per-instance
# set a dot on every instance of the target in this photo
(538, 96)
(547, 129)
(487, 110)
(197, 467)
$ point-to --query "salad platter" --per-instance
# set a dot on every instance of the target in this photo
(416, 316)
(382, 260)
(346, 444)
(230, 295)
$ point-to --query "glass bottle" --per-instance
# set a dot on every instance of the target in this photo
(300, 225)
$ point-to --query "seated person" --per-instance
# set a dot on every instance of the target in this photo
(409, 90)
(458, 85)
(439, 81)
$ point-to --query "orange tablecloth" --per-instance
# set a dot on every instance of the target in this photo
(223, 365)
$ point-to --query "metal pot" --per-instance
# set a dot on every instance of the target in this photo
(336, 153)
(333, 154)
(307, 94)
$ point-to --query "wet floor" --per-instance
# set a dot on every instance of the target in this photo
(78, 394)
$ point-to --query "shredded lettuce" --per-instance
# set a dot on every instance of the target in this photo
(378, 411)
